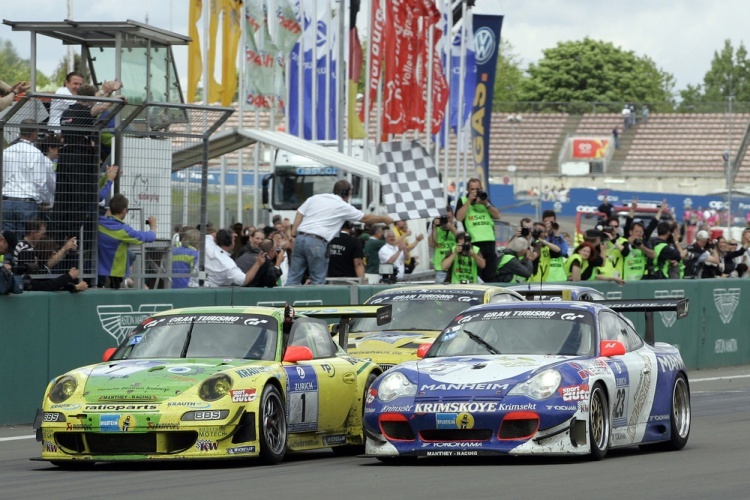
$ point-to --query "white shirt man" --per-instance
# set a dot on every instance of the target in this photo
(219, 266)
(73, 81)
(390, 253)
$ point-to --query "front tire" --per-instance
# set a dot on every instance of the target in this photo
(599, 423)
(273, 430)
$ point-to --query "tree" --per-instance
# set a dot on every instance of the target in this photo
(595, 71)
(729, 75)
(509, 75)
(58, 76)
(15, 69)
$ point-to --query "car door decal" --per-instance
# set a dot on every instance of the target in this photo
(302, 399)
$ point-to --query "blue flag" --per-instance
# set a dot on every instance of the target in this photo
(487, 45)
(314, 107)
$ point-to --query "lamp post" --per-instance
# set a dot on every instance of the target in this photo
(513, 119)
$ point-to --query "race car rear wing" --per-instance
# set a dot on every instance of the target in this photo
(649, 306)
(382, 314)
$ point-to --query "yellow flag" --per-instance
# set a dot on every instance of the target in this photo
(195, 63)
(231, 32)
(214, 89)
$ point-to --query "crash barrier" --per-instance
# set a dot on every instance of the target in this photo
(46, 334)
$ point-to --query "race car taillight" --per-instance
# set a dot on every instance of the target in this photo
(519, 425)
(395, 426)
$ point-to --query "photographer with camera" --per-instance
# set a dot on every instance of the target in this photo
(614, 245)
(464, 261)
(547, 252)
(516, 262)
(442, 240)
(478, 216)
(668, 252)
(696, 255)
(635, 254)
(557, 264)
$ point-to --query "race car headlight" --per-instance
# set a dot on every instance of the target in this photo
(395, 385)
(63, 389)
(540, 386)
(215, 387)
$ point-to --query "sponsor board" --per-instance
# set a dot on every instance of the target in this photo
(119, 320)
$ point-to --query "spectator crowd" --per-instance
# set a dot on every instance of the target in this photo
(51, 181)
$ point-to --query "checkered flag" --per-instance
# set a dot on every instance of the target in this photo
(410, 183)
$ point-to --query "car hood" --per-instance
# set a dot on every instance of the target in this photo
(154, 379)
(476, 376)
(391, 339)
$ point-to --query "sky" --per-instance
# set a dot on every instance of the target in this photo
(681, 36)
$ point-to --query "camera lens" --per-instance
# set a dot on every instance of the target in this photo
(482, 195)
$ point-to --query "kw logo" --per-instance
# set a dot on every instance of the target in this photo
(668, 318)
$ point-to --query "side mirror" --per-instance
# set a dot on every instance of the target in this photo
(108, 354)
(422, 350)
(295, 353)
(334, 328)
(609, 348)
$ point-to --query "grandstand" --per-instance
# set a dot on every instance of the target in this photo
(673, 145)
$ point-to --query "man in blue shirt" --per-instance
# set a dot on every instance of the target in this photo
(114, 238)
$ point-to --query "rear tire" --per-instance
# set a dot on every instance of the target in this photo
(273, 430)
(599, 423)
(680, 417)
(357, 449)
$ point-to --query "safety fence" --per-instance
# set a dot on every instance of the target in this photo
(47, 334)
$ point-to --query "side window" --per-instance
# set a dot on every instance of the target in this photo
(313, 333)
(612, 327)
(636, 342)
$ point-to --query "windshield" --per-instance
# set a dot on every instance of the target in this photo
(194, 336)
(507, 331)
(294, 185)
(418, 311)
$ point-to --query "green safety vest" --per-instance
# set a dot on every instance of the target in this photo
(464, 268)
(615, 256)
(504, 260)
(542, 268)
(634, 266)
(576, 257)
(557, 269)
(444, 242)
(665, 265)
(479, 223)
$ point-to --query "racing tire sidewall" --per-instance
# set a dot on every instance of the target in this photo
(599, 423)
(272, 426)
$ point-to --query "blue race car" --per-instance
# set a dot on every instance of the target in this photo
(534, 378)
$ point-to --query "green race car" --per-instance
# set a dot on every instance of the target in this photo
(212, 382)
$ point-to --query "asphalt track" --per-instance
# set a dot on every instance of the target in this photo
(714, 464)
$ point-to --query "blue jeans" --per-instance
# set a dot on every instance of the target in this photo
(16, 214)
(311, 255)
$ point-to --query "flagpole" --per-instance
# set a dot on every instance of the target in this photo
(448, 35)
(342, 80)
(462, 72)
(206, 13)
(429, 56)
(241, 98)
(367, 99)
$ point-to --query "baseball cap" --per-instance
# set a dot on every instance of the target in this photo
(702, 235)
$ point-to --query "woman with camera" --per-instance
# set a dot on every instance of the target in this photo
(464, 261)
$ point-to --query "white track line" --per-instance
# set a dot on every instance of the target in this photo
(711, 379)
(16, 438)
